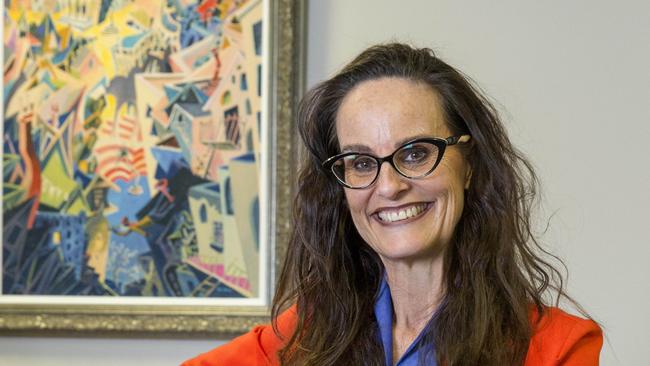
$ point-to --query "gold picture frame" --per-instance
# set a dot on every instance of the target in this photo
(285, 75)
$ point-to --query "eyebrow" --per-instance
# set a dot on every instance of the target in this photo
(366, 149)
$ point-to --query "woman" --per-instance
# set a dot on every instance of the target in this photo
(412, 241)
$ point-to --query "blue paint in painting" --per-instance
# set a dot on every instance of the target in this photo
(257, 38)
(60, 56)
(248, 158)
(65, 232)
(171, 92)
(169, 24)
(128, 204)
(230, 206)
(124, 251)
(131, 41)
(243, 82)
(165, 157)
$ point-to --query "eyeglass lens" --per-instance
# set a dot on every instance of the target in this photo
(413, 161)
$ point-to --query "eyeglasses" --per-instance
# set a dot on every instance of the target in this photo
(415, 159)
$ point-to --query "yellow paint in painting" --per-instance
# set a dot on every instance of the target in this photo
(225, 44)
(109, 111)
(233, 269)
(141, 17)
(55, 74)
(224, 7)
(83, 165)
(56, 17)
(151, 279)
(14, 13)
(57, 185)
(77, 207)
(121, 17)
(56, 238)
(65, 33)
(105, 42)
(98, 244)
(117, 19)
(34, 17)
(103, 52)
(226, 98)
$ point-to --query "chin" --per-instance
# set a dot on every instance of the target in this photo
(407, 240)
(404, 249)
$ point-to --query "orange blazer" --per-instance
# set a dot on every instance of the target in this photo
(559, 339)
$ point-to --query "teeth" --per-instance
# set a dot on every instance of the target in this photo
(402, 214)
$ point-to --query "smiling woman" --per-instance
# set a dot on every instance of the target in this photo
(428, 259)
(378, 116)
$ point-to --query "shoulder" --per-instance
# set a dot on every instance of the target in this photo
(563, 339)
(258, 347)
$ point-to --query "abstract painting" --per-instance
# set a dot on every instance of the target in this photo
(132, 134)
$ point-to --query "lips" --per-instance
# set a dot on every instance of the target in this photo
(401, 213)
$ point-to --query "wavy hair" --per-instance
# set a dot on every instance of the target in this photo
(495, 270)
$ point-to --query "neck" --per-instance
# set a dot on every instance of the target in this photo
(417, 288)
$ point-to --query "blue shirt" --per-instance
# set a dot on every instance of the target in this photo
(384, 315)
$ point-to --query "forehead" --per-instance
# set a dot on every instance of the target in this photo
(389, 110)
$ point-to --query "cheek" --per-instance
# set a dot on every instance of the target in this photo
(357, 205)
(456, 196)
(449, 187)
(456, 175)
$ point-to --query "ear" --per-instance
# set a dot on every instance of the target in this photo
(468, 177)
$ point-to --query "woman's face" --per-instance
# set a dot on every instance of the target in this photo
(376, 117)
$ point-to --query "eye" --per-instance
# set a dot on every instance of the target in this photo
(362, 164)
(415, 154)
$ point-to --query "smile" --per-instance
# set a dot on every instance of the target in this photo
(403, 213)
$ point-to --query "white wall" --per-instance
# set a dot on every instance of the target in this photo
(572, 81)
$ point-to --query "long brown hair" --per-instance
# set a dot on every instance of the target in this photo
(495, 273)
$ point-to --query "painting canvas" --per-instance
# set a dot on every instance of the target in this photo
(133, 148)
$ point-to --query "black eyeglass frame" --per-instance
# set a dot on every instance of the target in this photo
(440, 143)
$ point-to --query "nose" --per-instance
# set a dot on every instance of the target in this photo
(390, 183)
